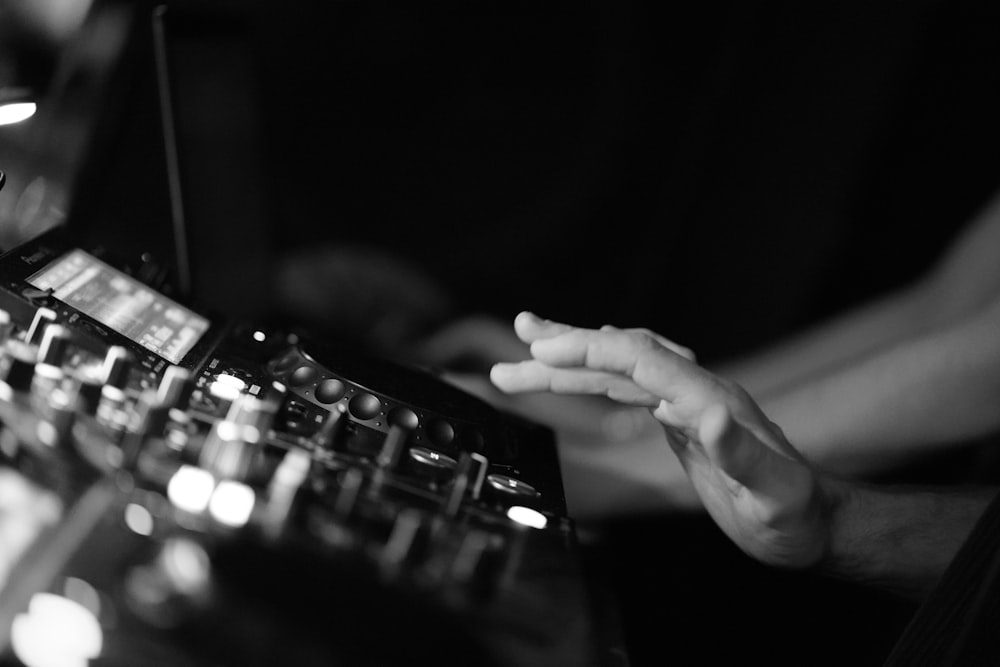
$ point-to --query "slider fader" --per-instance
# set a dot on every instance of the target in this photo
(185, 491)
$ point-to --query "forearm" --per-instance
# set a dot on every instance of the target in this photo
(965, 279)
(833, 343)
(896, 538)
(939, 388)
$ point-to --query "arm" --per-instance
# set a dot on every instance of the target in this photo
(910, 398)
(771, 502)
(836, 390)
(965, 279)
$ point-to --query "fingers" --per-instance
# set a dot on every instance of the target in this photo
(653, 367)
(530, 327)
(536, 376)
(685, 352)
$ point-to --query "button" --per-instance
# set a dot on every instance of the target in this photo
(330, 390)
(303, 375)
(404, 417)
(510, 486)
(364, 406)
(441, 432)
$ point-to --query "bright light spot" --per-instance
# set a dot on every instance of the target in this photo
(190, 489)
(224, 390)
(56, 632)
(527, 517)
(231, 381)
(227, 431)
(232, 503)
(15, 112)
(46, 433)
(186, 564)
(259, 336)
(138, 519)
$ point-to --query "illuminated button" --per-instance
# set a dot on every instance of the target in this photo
(364, 406)
(429, 462)
(286, 363)
(527, 517)
(231, 380)
(330, 390)
(510, 486)
(403, 417)
(441, 432)
(303, 375)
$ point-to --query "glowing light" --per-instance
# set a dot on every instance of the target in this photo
(222, 389)
(232, 503)
(527, 517)
(190, 489)
(15, 112)
(231, 381)
(259, 336)
(138, 519)
(186, 564)
(56, 632)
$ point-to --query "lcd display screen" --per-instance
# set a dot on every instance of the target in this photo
(123, 304)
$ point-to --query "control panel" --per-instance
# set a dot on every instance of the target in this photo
(184, 491)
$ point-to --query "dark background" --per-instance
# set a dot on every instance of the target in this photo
(723, 172)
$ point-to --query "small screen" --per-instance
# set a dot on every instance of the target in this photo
(122, 303)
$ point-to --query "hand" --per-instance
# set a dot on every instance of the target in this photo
(612, 459)
(755, 486)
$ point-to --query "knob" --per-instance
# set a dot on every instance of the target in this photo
(90, 381)
(43, 317)
(117, 366)
(331, 431)
(175, 388)
(51, 354)
(468, 479)
(17, 368)
(392, 449)
(6, 326)
(289, 477)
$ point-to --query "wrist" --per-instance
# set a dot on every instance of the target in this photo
(900, 539)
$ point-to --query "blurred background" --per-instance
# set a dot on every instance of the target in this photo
(722, 172)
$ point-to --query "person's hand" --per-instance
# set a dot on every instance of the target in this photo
(756, 487)
(611, 455)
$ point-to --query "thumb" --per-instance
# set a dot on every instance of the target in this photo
(733, 449)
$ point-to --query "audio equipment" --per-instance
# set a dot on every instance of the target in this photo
(195, 492)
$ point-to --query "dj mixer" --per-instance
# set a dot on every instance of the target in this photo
(183, 490)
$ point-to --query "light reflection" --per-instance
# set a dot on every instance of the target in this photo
(138, 519)
(15, 112)
(232, 503)
(190, 489)
(527, 517)
(56, 632)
